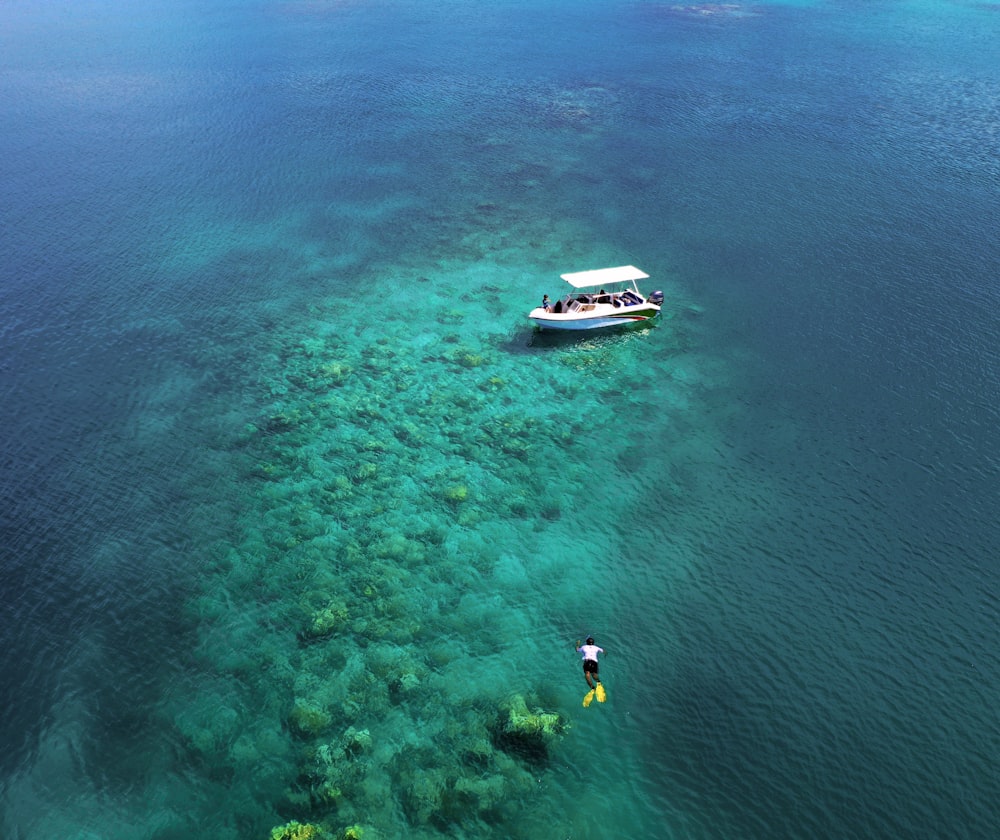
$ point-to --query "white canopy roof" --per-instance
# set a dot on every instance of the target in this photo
(600, 276)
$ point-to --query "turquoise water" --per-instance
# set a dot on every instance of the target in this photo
(301, 519)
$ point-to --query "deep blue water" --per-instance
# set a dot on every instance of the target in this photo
(264, 363)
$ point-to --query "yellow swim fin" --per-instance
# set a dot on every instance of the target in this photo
(601, 696)
(589, 698)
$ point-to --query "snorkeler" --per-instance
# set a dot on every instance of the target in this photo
(589, 652)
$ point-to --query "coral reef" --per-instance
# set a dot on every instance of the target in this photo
(298, 831)
(308, 720)
(525, 732)
(327, 620)
(402, 493)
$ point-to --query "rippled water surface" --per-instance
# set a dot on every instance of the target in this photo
(300, 519)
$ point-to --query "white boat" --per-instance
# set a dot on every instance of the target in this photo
(604, 297)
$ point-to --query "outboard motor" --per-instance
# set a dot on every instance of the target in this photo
(656, 298)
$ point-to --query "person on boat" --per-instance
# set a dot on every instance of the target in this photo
(589, 653)
(546, 303)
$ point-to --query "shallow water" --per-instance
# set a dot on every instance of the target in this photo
(297, 507)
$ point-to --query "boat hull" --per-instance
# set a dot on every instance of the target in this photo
(570, 321)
